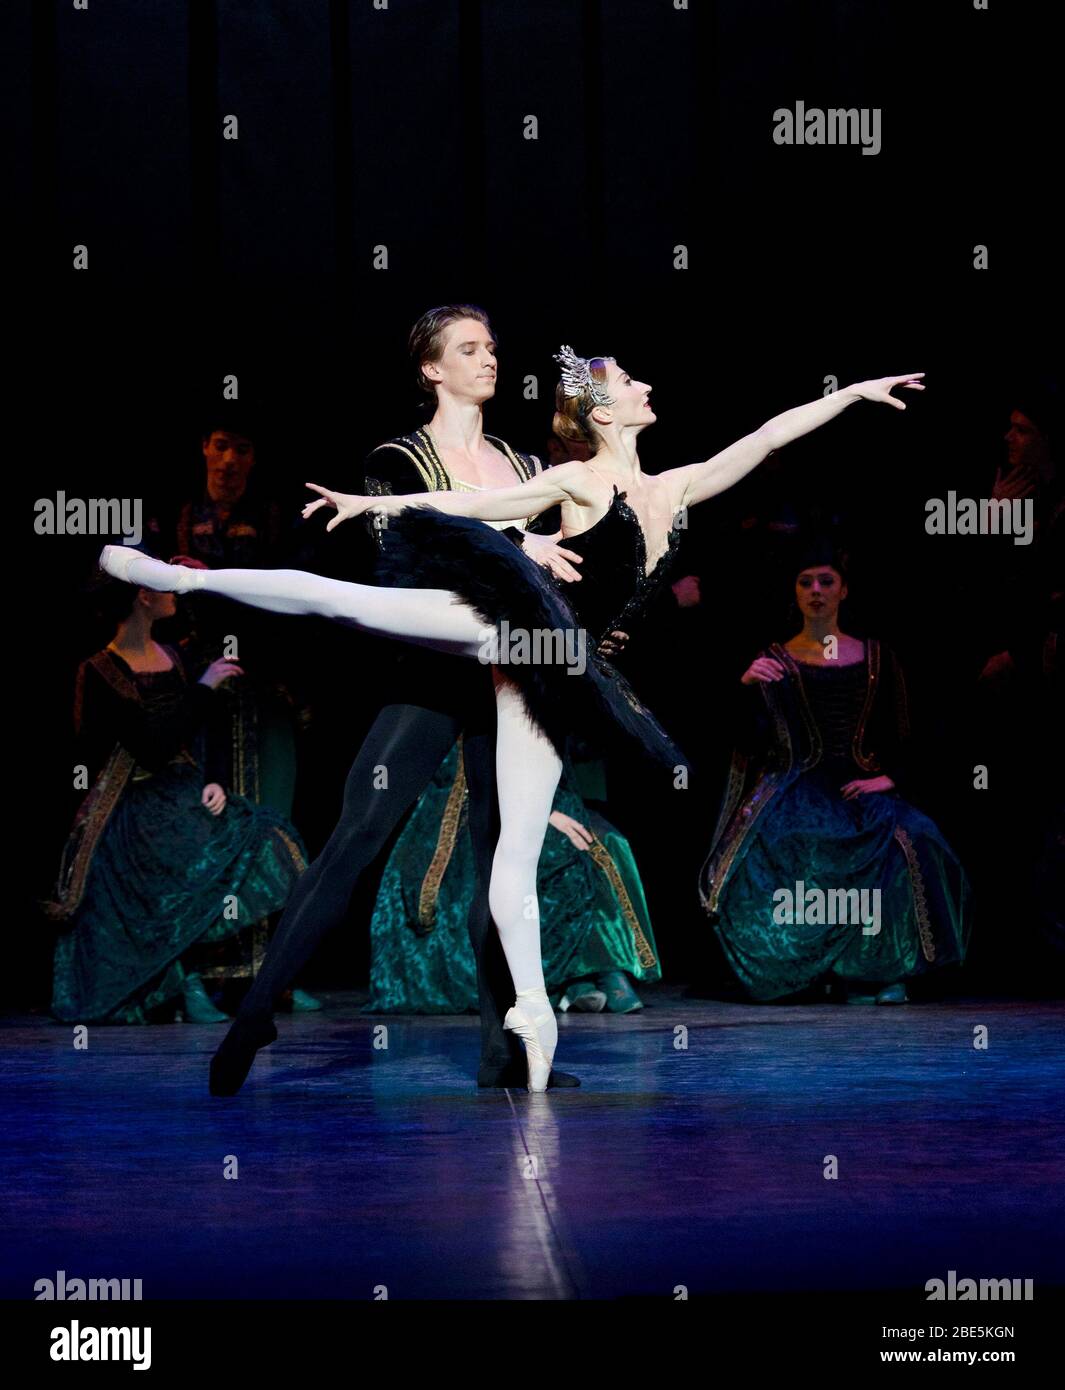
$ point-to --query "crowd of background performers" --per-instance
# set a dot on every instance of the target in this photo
(195, 778)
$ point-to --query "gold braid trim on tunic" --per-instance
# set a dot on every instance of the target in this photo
(423, 465)
(813, 731)
(868, 761)
(421, 451)
(244, 720)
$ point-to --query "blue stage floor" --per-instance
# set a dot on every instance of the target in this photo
(700, 1166)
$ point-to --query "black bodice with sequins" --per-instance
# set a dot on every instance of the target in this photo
(614, 590)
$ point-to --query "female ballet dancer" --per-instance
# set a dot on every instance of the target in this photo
(470, 576)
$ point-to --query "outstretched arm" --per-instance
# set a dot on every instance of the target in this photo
(703, 480)
(530, 498)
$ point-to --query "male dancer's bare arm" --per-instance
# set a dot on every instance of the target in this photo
(700, 481)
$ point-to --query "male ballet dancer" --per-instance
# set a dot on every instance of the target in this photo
(433, 699)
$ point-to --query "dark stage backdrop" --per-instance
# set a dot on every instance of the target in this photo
(599, 172)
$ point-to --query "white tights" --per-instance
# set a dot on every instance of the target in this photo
(527, 766)
(429, 617)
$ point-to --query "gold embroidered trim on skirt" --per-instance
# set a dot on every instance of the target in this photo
(920, 901)
(602, 857)
(749, 812)
(89, 825)
(293, 849)
(445, 845)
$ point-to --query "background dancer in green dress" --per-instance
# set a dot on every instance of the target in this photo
(813, 799)
(161, 859)
(596, 930)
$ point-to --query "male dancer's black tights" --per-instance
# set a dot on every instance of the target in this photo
(407, 742)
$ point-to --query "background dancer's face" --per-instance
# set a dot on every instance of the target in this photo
(819, 592)
(230, 458)
(1026, 447)
(155, 606)
(466, 368)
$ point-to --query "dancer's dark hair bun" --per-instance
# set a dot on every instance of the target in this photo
(109, 601)
(811, 552)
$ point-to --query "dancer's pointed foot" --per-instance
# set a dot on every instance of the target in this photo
(134, 567)
(232, 1062)
(533, 1020)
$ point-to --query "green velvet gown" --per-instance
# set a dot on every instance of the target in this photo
(593, 911)
(784, 822)
(148, 871)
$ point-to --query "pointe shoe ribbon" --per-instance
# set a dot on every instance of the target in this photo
(530, 1012)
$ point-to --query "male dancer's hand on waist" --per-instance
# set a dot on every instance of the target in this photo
(546, 551)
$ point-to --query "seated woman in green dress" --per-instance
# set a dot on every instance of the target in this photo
(596, 932)
(160, 859)
(819, 871)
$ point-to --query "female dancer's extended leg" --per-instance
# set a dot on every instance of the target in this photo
(428, 617)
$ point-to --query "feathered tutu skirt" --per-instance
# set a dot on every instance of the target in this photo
(565, 686)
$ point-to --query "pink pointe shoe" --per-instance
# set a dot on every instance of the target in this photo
(533, 1020)
(134, 567)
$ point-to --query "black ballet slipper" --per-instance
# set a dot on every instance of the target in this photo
(514, 1076)
(232, 1062)
(562, 1079)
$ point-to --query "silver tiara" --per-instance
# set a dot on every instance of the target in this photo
(577, 376)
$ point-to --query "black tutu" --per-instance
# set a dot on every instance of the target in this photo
(422, 548)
